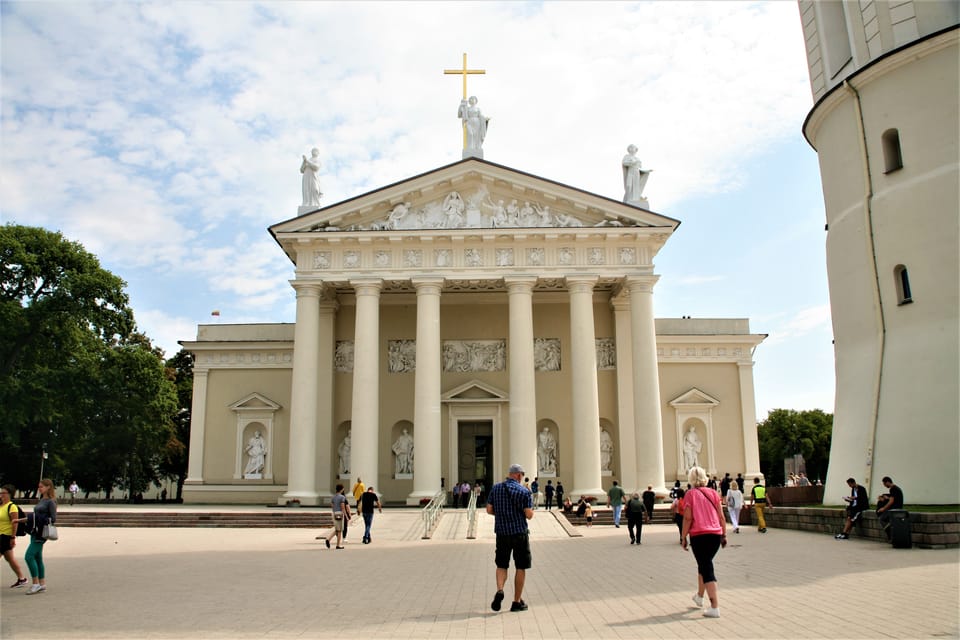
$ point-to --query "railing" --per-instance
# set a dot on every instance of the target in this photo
(432, 512)
(472, 516)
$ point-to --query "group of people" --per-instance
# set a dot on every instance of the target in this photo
(858, 502)
(461, 493)
(44, 513)
(366, 502)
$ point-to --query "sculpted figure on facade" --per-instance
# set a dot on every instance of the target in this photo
(634, 178)
(256, 451)
(401, 356)
(343, 357)
(476, 126)
(691, 448)
(546, 354)
(453, 208)
(403, 449)
(310, 168)
(343, 452)
(546, 452)
(606, 450)
(398, 215)
(606, 353)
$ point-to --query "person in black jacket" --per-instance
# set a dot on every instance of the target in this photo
(857, 503)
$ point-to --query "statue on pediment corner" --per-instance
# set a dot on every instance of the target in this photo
(634, 178)
(310, 168)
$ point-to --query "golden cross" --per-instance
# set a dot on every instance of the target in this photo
(464, 72)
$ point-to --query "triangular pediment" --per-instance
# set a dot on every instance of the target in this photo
(694, 397)
(254, 402)
(474, 391)
(473, 194)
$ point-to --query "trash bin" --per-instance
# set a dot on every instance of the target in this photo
(900, 529)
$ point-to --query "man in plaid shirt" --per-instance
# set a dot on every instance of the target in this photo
(511, 505)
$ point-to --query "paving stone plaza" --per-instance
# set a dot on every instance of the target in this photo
(282, 583)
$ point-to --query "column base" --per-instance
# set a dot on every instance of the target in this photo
(413, 500)
(598, 493)
(303, 498)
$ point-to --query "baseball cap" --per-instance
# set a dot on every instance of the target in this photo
(515, 468)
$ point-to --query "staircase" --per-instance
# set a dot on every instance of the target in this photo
(272, 518)
(603, 517)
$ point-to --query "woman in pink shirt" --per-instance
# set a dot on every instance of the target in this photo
(706, 527)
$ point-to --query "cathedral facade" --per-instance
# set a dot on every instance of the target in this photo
(460, 321)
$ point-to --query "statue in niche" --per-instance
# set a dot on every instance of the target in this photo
(606, 450)
(343, 451)
(691, 448)
(546, 452)
(256, 451)
(475, 124)
(634, 178)
(310, 168)
(403, 448)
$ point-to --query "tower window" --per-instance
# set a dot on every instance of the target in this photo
(902, 280)
(892, 160)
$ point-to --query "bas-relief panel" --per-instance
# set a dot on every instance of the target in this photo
(474, 355)
(546, 354)
(401, 356)
(343, 357)
(475, 209)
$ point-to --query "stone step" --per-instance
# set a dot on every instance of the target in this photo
(276, 519)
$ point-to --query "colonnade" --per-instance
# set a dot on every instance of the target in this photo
(311, 417)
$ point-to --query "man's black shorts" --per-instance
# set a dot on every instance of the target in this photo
(519, 546)
(5, 542)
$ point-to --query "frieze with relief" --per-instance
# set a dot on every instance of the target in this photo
(476, 209)
(461, 356)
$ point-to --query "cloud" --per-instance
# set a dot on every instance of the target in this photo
(801, 323)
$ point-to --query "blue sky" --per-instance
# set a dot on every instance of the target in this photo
(166, 137)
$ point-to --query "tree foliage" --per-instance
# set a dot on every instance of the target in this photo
(786, 432)
(174, 463)
(76, 378)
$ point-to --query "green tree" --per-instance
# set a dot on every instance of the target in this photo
(786, 432)
(74, 374)
(174, 463)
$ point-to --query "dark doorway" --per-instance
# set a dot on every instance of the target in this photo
(476, 453)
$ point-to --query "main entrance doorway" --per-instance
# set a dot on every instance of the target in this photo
(475, 440)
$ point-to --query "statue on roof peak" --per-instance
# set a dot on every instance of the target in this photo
(475, 125)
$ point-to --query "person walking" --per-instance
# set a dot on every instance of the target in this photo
(548, 492)
(706, 528)
(559, 493)
(635, 513)
(340, 507)
(74, 490)
(9, 519)
(734, 504)
(368, 501)
(616, 502)
(44, 513)
(676, 508)
(649, 497)
(535, 490)
(758, 500)
(511, 505)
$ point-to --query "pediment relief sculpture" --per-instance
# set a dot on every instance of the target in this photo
(475, 209)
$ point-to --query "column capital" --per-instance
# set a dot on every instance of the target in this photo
(520, 284)
(307, 289)
(641, 284)
(367, 286)
(581, 284)
(427, 285)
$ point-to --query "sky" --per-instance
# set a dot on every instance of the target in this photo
(167, 136)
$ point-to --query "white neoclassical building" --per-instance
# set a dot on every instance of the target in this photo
(494, 316)
(885, 127)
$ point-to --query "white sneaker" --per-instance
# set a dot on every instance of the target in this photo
(36, 588)
(711, 612)
(698, 600)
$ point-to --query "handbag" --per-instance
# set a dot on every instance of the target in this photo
(49, 532)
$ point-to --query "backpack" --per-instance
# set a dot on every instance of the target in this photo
(22, 525)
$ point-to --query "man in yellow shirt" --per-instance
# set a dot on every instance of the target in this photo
(758, 498)
(9, 514)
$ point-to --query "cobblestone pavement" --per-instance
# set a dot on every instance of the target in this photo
(282, 583)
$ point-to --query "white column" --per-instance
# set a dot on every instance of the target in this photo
(583, 374)
(523, 397)
(426, 403)
(748, 411)
(365, 420)
(324, 399)
(302, 471)
(198, 420)
(646, 384)
(624, 373)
